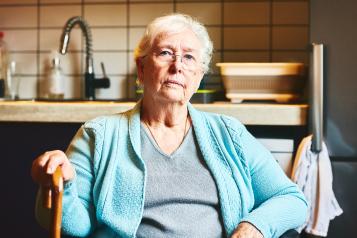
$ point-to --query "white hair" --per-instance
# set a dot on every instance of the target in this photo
(175, 23)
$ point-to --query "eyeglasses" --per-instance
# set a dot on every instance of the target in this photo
(188, 60)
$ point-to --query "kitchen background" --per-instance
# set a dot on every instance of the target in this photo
(242, 31)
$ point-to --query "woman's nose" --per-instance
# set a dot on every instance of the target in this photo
(177, 64)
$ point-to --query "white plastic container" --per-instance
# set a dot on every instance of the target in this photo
(281, 82)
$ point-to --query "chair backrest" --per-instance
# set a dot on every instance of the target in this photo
(53, 200)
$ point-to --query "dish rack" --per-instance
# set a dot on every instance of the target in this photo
(281, 82)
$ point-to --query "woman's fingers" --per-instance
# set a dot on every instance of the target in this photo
(55, 158)
(46, 164)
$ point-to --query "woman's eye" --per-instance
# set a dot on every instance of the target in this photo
(189, 57)
(165, 53)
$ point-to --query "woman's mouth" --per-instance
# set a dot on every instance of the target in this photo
(173, 83)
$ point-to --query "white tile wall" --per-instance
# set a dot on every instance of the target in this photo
(215, 34)
(240, 30)
(28, 87)
(106, 15)
(246, 56)
(254, 38)
(114, 62)
(21, 40)
(117, 89)
(242, 12)
(60, 1)
(208, 13)
(10, 16)
(142, 14)
(134, 36)
(50, 39)
(56, 16)
(26, 63)
(290, 37)
(109, 39)
(14, 2)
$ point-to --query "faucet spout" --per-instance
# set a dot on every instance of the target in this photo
(91, 83)
(87, 35)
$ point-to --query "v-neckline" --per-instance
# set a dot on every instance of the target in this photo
(157, 147)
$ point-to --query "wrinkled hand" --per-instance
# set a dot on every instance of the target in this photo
(246, 230)
(46, 164)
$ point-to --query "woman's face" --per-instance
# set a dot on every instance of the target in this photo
(172, 70)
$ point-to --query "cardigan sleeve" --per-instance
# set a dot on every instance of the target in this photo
(78, 212)
(279, 205)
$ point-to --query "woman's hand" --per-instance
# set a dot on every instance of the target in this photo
(46, 164)
(246, 230)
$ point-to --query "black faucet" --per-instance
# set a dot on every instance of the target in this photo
(91, 83)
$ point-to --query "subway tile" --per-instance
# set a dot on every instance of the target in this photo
(132, 65)
(18, 2)
(21, 40)
(197, 1)
(105, 15)
(50, 39)
(60, 1)
(70, 63)
(215, 35)
(142, 14)
(28, 87)
(74, 87)
(246, 38)
(109, 39)
(117, 89)
(290, 13)
(246, 13)
(100, 1)
(207, 13)
(57, 16)
(26, 63)
(114, 63)
(290, 37)
(9, 16)
(246, 56)
(150, 1)
(291, 56)
(135, 35)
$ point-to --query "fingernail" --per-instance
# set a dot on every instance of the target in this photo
(49, 170)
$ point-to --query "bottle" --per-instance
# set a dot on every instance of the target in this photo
(3, 64)
(55, 80)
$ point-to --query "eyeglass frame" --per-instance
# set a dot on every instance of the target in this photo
(173, 58)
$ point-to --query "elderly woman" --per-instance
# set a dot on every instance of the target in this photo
(164, 169)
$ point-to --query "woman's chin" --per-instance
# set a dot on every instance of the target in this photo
(173, 96)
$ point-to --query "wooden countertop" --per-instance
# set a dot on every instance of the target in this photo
(79, 112)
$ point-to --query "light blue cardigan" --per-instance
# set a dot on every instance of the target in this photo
(106, 198)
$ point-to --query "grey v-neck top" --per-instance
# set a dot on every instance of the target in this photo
(181, 198)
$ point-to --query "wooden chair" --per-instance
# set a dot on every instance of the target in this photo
(53, 200)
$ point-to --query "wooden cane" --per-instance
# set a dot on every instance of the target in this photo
(53, 201)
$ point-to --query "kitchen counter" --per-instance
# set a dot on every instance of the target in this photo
(79, 112)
